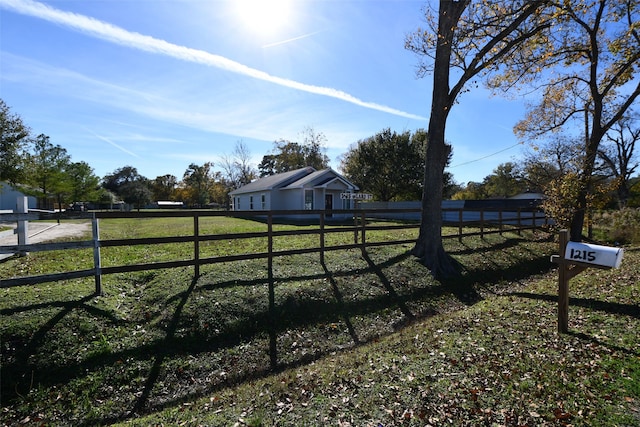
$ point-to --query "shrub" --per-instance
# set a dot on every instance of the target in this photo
(622, 226)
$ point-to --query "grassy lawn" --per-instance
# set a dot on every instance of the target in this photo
(365, 339)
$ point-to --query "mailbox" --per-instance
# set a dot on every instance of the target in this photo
(604, 256)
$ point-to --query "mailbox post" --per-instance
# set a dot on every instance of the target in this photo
(574, 258)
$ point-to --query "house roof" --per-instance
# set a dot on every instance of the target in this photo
(319, 178)
(274, 181)
(293, 179)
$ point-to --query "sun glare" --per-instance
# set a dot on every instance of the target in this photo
(263, 17)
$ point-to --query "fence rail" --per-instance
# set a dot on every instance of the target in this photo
(356, 221)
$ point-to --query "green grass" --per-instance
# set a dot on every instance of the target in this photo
(366, 339)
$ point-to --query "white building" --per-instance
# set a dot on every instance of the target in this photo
(9, 198)
(300, 189)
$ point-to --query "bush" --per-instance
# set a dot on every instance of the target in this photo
(622, 226)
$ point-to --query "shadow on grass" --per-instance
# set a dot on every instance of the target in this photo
(290, 313)
(631, 310)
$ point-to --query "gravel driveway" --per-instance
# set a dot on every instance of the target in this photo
(42, 232)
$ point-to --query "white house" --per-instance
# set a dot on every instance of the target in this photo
(9, 198)
(300, 189)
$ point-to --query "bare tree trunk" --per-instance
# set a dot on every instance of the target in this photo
(429, 248)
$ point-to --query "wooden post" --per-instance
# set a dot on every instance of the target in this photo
(520, 222)
(322, 238)
(567, 270)
(355, 228)
(364, 228)
(97, 262)
(22, 206)
(481, 223)
(500, 220)
(272, 296)
(460, 216)
(563, 285)
(196, 244)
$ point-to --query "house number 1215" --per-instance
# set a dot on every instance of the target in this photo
(582, 254)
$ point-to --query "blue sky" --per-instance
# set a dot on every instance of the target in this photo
(161, 84)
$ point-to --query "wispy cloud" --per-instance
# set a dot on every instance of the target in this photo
(117, 35)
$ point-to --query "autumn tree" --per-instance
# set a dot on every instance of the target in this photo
(14, 137)
(619, 157)
(586, 69)
(550, 159)
(471, 38)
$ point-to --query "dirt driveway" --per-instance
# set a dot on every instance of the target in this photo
(41, 232)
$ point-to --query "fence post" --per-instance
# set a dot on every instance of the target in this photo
(355, 228)
(97, 262)
(460, 216)
(272, 295)
(196, 244)
(500, 220)
(563, 286)
(322, 237)
(22, 206)
(364, 227)
(482, 223)
(519, 221)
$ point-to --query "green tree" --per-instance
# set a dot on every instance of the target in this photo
(164, 187)
(505, 181)
(47, 176)
(14, 137)
(473, 38)
(85, 185)
(388, 165)
(200, 182)
(287, 155)
(129, 185)
(472, 191)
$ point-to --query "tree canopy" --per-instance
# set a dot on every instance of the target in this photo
(388, 165)
(288, 155)
(14, 137)
(585, 66)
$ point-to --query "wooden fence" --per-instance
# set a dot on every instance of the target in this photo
(359, 222)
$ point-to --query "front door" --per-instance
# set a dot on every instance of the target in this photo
(328, 203)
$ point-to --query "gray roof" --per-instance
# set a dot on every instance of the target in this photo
(292, 179)
(274, 181)
(318, 178)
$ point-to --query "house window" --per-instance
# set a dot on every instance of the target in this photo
(308, 199)
(237, 203)
(250, 202)
(263, 202)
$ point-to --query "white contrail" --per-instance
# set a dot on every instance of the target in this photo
(117, 35)
(304, 36)
(107, 140)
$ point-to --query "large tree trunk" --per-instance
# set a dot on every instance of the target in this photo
(429, 247)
